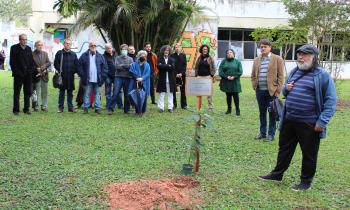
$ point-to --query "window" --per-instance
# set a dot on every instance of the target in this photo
(224, 35)
(236, 35)
(222, 47)
(239, 40)
(244, 46)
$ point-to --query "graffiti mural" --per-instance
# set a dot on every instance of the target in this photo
(191, 42)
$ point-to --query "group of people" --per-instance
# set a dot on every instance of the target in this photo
(309, 90)
(119, 73)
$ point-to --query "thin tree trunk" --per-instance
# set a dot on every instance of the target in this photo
(103, 36)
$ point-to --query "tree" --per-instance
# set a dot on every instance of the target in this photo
(282, 37)
(133, 21)
(15, 10)
(328, 25)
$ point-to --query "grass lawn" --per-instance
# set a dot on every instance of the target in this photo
(64, 161)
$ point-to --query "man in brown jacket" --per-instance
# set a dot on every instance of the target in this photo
(267, 79)
(41, 75)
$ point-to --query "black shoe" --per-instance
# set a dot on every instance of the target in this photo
(85, 111)
(154, 102)
(228, 111)
(27, 112)
(97, 111)
(269, 138)
(260, 136)
(109, 112)
(16, 113)
(72, 110)
(301, 187)
(35, 109)
(170, 110)
(270, 177)
(184, 107)
(238, 113)
(161, 111)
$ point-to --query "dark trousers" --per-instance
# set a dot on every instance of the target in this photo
(152, 94)
(18, 82)
(235, 96)
(291, 134)
(183, 99)
(69, 99)
(264, 99)
(120, 83)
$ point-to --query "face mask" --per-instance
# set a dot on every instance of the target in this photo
(124, 52)
(142, 59)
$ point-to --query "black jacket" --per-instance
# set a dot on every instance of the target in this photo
(111, 63)
(163, 69)
(69, 67)
(21, 61)
(180, 63)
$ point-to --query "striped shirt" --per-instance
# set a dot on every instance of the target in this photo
(301, 100)
(264, 67)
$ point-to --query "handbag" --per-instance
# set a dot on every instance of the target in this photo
(57, 78)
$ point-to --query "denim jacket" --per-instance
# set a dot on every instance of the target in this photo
(326, 97)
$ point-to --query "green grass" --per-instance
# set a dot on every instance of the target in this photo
(64, 161)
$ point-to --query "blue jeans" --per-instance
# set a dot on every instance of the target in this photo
(69, 99)
(263, 97)
(109, 90)
(97, 98)
(119, 83)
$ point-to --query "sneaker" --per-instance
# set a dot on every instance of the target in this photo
(44, 109)
(170, 110)
(85, 111)
(270, 177)
(269, 138)
(16, 113)
(60, 111)
(301, 187)
(72, 110)
(35, 109)
(260, 136)
(109, 112)
(161, 111)
(97, 111)
(184, 107)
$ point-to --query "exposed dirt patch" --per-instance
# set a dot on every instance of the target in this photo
(342, 104)
(9, 120)
(163, 194)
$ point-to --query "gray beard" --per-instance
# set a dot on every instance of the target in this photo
(304, 66)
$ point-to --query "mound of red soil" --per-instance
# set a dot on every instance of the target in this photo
(154, 194)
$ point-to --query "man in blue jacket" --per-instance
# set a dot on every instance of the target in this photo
(310, 104)
(93, 70)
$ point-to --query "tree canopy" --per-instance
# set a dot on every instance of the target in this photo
(133, 21)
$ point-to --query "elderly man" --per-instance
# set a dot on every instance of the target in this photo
(93, 70)
(41, 75)
(22, 66)
(66, 62)
(110, 57)
(267, 79)
(122, 80)
(310, 103)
